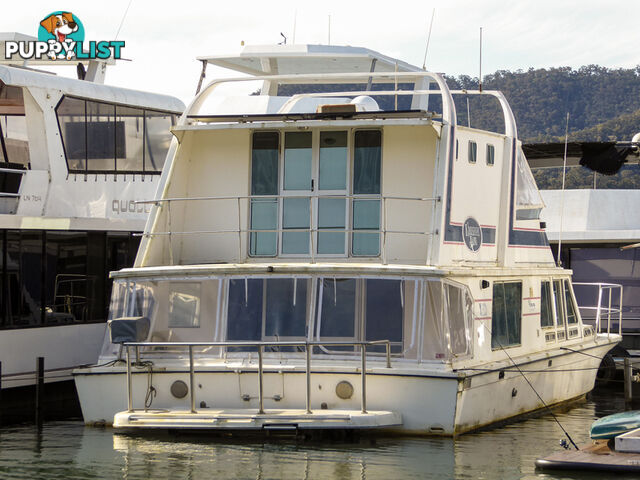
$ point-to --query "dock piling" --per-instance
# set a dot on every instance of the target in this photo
(628, 378)
(39, 390)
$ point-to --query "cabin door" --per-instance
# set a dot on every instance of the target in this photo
(314, 190)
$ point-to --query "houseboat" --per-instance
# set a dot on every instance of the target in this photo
(333, 251)
(75, 155)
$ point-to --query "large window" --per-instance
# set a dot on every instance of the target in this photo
(14, 143)
(104, 137)
(58, 277)
(267, 309)
(506, 315)
(546, 309)
(305, 198)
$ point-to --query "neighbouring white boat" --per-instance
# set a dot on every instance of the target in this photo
(330, 254)
(74, 156)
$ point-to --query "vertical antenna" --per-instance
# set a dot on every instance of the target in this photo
(424, 61)
(480, 74)
(564, 171)
(329, 33)
(295, 17)
(396, 86)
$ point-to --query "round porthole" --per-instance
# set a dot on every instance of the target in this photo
(179, 389)
(344, 390)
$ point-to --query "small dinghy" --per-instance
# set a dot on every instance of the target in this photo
(613, 425)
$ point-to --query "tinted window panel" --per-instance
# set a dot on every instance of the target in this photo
(506, 314)
(338, 308)
(546, 311)
(286, 308)
(245, 310)
(367, 161)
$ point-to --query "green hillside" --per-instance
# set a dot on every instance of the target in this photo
(603, 103)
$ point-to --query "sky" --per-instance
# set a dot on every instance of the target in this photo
(163, 38)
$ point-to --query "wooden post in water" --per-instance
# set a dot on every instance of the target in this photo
(39, 389)
(628, 378)
(0, 393)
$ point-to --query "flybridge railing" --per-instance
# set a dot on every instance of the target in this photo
(308, 347)
(611, 295)
(313, 229)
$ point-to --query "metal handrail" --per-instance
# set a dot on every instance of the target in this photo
(608, 310)
(308, 345)
(311, 229)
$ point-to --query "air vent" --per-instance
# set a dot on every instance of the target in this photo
(337, 108)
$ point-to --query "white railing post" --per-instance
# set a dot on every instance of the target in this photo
(308, 376)
(311, 233)
(260, 385)
(363, 399)
(240, 233)
(598, 308)
(620, 312)
(192, 382)
(384, 230)
(129, 389)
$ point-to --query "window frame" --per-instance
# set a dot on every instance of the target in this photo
(472, 152)
(499, 345)
(490, 153)
(316, 194)
(115, 106)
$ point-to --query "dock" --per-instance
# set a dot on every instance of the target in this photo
(597, 456)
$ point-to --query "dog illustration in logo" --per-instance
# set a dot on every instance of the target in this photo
(60, 26)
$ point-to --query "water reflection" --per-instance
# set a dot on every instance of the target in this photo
(68, 450)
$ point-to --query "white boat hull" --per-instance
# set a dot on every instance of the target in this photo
(429, 402)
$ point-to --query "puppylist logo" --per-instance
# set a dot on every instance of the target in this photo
(61, 37)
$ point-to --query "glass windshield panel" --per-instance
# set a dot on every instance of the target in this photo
(546, 310)
(571, 311)
(458, 312)
(384, 310)
(333, 161)
(297, 161)
(184, 305)
(244, 315)
(558, 302)
(286, 308)
(338, 307)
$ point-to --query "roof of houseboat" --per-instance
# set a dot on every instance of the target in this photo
(21, 77)
(302, 59)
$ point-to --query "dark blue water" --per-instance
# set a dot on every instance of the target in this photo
(69, 450)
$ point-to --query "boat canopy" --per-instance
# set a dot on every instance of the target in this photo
(20, 77)
(301, 59)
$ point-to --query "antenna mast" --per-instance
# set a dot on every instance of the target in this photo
(424, 61)
(480, 66)
(295, 17)
(564, 171)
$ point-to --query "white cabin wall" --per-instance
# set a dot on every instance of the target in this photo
(532, 334)
(408, 163)
(218, 166)
(169, 216)
(475, 192)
